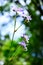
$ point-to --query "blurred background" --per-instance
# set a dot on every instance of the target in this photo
(14, 54)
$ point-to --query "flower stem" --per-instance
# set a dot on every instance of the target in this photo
(17, 28)
(14, 29)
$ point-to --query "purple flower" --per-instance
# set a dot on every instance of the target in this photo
(20, 11)
(23, 44)
(26, 37)
(14, 9)
(29, 18)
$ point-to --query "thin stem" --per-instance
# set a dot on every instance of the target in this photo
(17, 28)
(14, 28)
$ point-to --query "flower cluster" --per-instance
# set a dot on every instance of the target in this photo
(25, 37)
(20, 11)
(23, 44)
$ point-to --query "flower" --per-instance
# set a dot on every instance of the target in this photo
(26, 37)
(20, 11)
(29, 18)
(23, 44)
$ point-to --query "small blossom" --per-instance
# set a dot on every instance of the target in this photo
(23, 44)
(20, 11)
(14, 9)
(23, 15)
(29, 18)
(26, 37)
